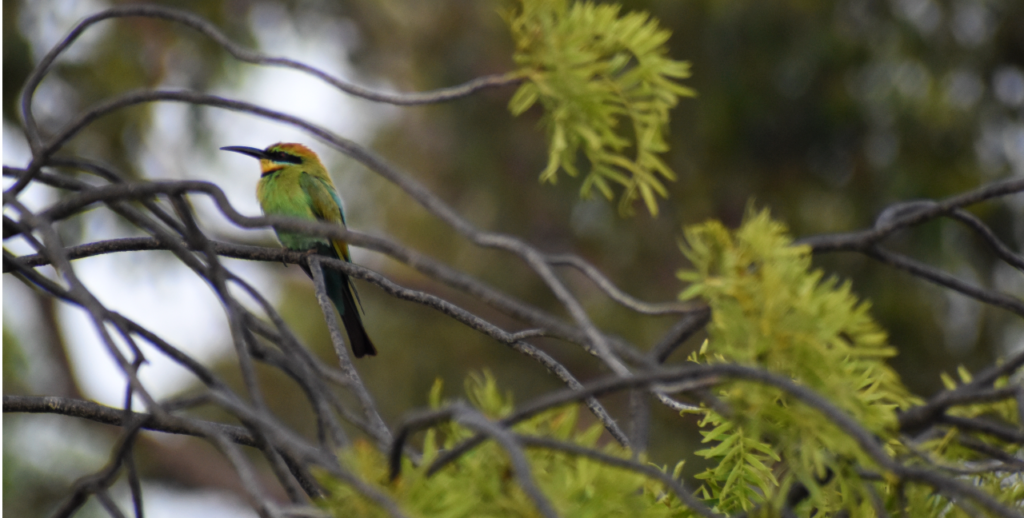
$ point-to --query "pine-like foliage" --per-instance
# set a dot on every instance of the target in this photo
(772, 310)
(481, 483)
(606, 84)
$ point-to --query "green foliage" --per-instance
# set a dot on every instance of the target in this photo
(743, 475)
(481, 482)
(771, 310)
(607, 85)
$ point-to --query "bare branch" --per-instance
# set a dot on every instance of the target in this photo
(520, 466)
(997, 430)
(98, 482)
(677, 487)
(618, 295)
(687, 326)
(919, 212)
(369, 407)
(916, 418)
(167, 423)
(944, 279)
(1001, 250)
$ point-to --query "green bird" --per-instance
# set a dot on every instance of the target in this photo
(293, 182)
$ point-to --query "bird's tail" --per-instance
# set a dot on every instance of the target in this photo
(342, 294)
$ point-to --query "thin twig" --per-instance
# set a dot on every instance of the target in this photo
(616, 294)
(520, 466)
(677, 487)
(341, 351)
(920, 212)
(993, 429)
(108, 415)
(687, 326)
(1001, 250)
(941, 278)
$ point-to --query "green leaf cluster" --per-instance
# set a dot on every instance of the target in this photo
(772, 310)
(743, 475)
(481, 483)
(606, 84)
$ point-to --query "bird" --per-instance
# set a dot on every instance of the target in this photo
(294, 182)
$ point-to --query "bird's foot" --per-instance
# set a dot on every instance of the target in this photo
(307, 254)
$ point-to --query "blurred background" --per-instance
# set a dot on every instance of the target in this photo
(824, 112)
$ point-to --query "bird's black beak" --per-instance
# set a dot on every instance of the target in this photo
(251, 151)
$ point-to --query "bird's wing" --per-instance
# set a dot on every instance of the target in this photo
(326, 206)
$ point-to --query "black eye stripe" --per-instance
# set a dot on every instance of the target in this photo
(281, 156)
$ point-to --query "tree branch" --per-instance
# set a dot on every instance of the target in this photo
(941, 278)
(113, 416)
(907, 214)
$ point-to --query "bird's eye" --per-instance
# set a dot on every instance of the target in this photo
(281, 156)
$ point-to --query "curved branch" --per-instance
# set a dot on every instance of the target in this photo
(53, 180)
(918, 418)
(1001, 250)
(473, 420)
(677, 487)
(997, 430)
(941, 278)
(686, 327)
(114, 416)
(370, 412)
(100, 481)
(242, 54)
(616, 294)
(907, 214)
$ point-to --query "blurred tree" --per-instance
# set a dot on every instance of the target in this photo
(824, 112)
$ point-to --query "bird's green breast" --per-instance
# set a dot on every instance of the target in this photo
(281, 194)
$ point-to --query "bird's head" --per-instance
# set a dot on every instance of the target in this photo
(279, 156)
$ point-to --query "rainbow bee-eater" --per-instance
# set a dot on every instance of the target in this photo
(293, 182)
